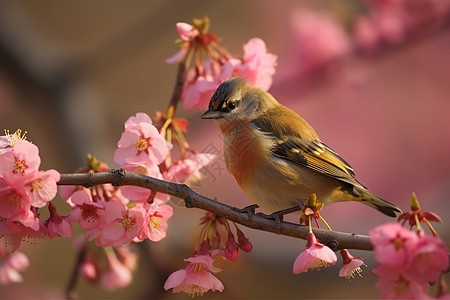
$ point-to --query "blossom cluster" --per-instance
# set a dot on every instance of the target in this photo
(409, 261)
(216, 243)
(23, 190)
(212, 64)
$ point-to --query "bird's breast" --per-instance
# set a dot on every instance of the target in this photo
(245, 150)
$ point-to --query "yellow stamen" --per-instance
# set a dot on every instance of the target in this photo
(16, 137)
(127, 222)
(141, 144)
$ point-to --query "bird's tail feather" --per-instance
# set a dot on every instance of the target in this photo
(381, 205)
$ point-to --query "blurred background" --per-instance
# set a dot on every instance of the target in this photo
(72, 72)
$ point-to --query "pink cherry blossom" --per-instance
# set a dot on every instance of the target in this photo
(141, 143)
(43, 188)
(196, 94)
(428, 259)
(21, 160)
(12, 265)
(116, 275)
(393, 243)
(156, 218)
(89, 268)
(257, 66)
(351, 265)
(196, 279)
(57, 225)
(315, 256)
(186, 31)
(318, 39)
(140, 194)
(122, 224)
(396, 283)
(14, 233)
(90, 215)
(181, 171)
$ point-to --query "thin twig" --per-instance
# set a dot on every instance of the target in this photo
(335, 240)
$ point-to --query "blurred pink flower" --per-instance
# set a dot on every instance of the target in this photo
(197, 93)
(182, 170)
(116, 275)
(141, 143)
(428, 259)
(393, 244)
(318, 39)
(257, 66)
(11, 266)
(315, 256)
(352, 265)
(196, 279)
(396, 283)
(89, 268)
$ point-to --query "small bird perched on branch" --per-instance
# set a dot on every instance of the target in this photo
(276, 156)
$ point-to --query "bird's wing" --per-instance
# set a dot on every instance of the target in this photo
(312, 154)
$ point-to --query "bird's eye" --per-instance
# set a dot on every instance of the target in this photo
(231, 105)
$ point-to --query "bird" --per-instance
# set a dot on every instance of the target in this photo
(276, 157)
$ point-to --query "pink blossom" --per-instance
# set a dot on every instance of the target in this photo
(43, 188)
(315, 256)
(116, 275)
(141, 143)
(186, 31)
(123, 224)
(196, 94)
(156, 218)
(393, 243)
(428, 259)
(318, 39)
(89, 268)
(140, 194)
(11, 266)
(257, 66)
(181, 171)
(21, 160)
(57, 225)
(90, 215)
(13, 233)
(395, 283)
(352, 265)
(177, 57)
(196, 279)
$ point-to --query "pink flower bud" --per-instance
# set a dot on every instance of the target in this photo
(231, 250)
(243, 242)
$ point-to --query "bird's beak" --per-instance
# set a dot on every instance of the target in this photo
(211, 114)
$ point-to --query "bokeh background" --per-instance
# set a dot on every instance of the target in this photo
(71, 73)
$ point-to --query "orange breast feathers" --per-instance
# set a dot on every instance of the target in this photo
(245, 149)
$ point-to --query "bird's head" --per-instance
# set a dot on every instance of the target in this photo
(237, 100)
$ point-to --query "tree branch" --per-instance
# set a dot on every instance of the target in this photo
(333, 239)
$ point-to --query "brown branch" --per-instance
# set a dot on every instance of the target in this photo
(335, 240)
